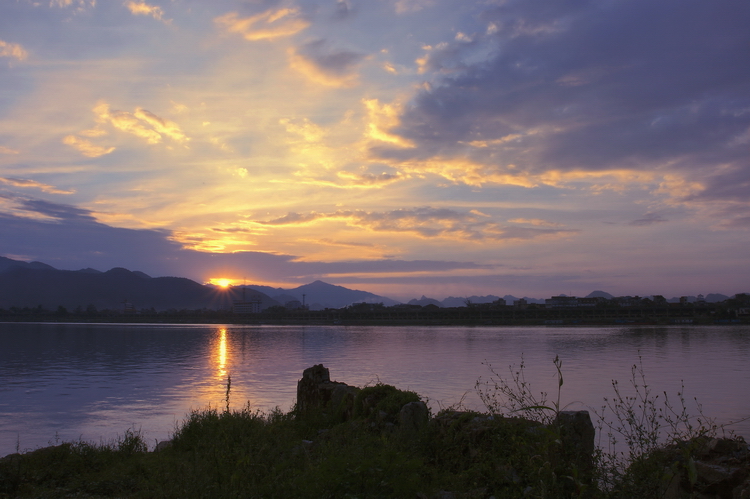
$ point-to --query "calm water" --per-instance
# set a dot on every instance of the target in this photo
(64, 382)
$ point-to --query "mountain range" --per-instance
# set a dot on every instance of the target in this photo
(33, 284)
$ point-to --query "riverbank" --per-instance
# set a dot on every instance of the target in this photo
(366, 314)
(378, 441)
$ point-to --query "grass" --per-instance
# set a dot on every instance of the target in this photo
(248, 453)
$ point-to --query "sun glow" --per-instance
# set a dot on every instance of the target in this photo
(221, 282)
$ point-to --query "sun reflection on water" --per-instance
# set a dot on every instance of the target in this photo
(221, 354)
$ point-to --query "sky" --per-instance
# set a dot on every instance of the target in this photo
(402, 147)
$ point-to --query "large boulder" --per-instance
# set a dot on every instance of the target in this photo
(577, 437)
(316, 391)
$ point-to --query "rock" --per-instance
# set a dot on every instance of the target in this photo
(413, 417)
(577, 435)
(722, 469)
(316, 391)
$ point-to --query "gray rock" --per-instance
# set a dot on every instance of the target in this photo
(578, 438)
(316, 391)
(413, 417)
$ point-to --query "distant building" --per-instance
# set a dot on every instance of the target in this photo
(251, 303)
(247, 307)
(293, 305)
(128, 308)
(561, 301)
(520, 304)
(590, 302)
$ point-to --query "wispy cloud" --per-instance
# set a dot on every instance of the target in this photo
(425, 222)
(86, 147)
(648, 219)
(13, 50)
(79, 5)
(321, 64)
(268, 25)
(144, 9)
(33, 184)
(141, 123)
(404, 6)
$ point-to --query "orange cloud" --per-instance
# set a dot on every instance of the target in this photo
(7, 150)
(383, 117)
(144, 9)
(13, 50)
(20, 182)
(86, 148)
(264, 26)
(141, 123)
(425, 222)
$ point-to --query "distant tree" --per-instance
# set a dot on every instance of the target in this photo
(276, 309)
(62, 310)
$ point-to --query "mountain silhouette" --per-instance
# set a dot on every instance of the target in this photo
(33, 284)
(326, 295)
(24, 284)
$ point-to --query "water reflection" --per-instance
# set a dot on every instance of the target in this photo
(221, 354)
(95, 381)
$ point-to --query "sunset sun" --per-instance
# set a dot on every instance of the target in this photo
(221, 282)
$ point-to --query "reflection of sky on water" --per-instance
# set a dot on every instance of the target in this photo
(96, 381)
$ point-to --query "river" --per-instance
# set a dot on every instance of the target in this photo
(92, 382)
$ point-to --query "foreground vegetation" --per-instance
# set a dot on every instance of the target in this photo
(370, 452)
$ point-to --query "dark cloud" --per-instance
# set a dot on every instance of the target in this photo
(592, 85)
(648, 219)
(732, 185)
(738, 223)
(344, 10)
(328, 60)
(75, 240)
(55, 210)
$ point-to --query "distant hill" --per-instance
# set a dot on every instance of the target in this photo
(24, 284)
(31, 285)
(324, 295)
(425, 301)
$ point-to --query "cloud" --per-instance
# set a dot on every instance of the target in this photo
(344, 10)
(325, 66)
(80, 5)
(574, 90)
(141, 123)
(71, 238)
(12, 50)
(60, 212)
(381, 119)
(349, 180)
(86, 148)
(20, 182)
(404, 6)
(268, 25)
(425, 222)
(144, 9)
(7, 150)
(369, 179)
(537, 222)
(648, 219)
